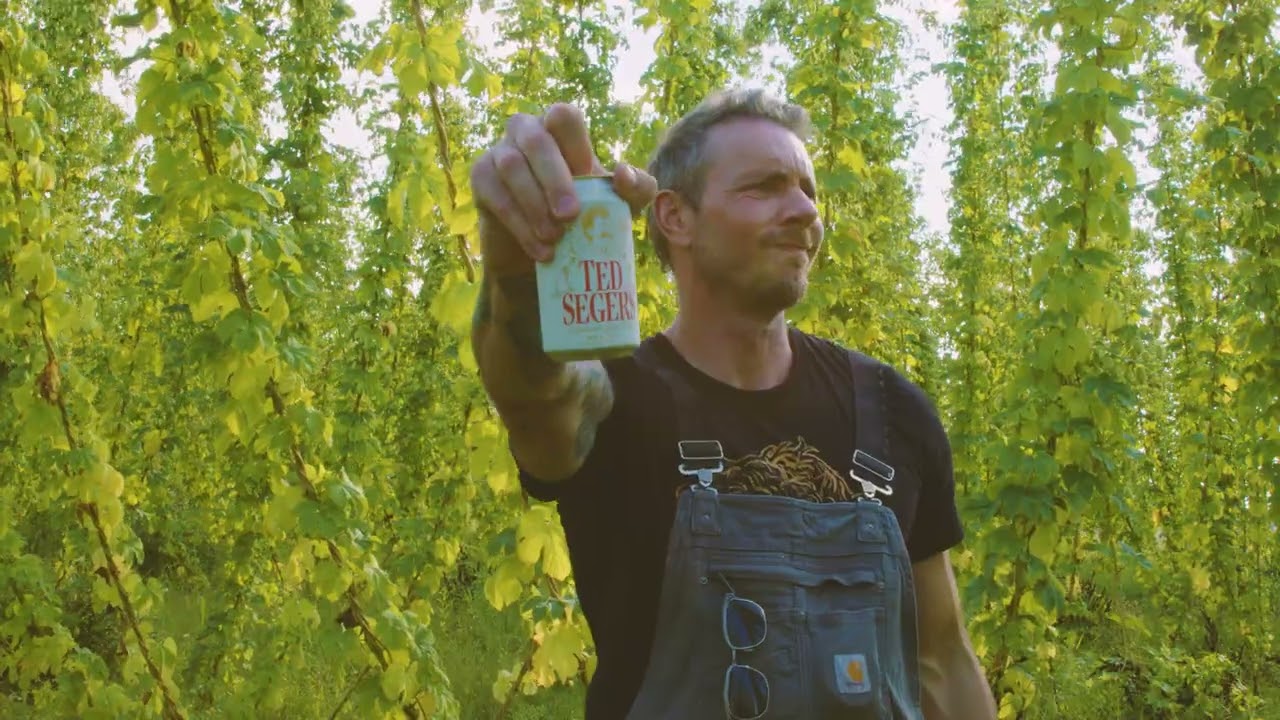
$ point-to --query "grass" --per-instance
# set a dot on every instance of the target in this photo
(475, 644)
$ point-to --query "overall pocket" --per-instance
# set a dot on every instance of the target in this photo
(849, 573)
(843, 662)
(794, 591)
(759, 578)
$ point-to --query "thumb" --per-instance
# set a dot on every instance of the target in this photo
(567, 124)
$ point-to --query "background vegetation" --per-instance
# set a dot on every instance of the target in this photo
(247, 469)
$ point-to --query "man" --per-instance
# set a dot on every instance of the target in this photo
(731, 202)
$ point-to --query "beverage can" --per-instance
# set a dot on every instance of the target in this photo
(587, 291)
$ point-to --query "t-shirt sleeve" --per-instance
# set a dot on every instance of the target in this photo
(937, 525)
(609, 443)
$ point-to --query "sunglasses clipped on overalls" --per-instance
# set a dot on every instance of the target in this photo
(775, 607)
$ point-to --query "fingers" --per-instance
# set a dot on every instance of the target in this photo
(525, 181)
(537, 175)
(568, 126)
(494, 197)
(525, 184)
(548, 167)
(635, 186)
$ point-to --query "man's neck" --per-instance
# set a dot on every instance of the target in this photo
(745, 353)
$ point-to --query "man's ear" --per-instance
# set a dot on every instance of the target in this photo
(674, 217)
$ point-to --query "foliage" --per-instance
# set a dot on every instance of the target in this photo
(248, 467)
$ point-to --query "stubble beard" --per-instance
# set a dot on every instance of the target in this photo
(759, 295)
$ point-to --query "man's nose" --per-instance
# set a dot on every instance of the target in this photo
(801, 209)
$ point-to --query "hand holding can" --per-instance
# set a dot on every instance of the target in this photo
(525, 192)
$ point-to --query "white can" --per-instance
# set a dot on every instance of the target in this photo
(587, 291)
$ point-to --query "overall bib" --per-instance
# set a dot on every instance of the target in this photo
(780, 608)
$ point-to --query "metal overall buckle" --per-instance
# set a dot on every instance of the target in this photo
(702, 458)
(870, 466)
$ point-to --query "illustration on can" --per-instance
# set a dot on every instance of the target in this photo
(587, 292)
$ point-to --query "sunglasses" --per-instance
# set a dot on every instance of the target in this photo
(746, 689)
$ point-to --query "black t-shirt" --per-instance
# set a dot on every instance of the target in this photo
(618, 509)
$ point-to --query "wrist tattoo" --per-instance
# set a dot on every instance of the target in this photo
(524, 323)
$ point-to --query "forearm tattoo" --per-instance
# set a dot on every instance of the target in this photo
(520, 320)
(524, 324)
(547, 395)
(597, 399)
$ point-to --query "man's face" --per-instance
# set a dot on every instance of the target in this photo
(757, 229)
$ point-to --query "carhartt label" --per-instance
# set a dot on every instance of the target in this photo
(851, 674)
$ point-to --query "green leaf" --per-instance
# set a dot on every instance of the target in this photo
(851, 157)
(501, 481)
(555, 560)
(1050, 596)
(35, 268)
(455, 303)
(1110, 391)
(1081, 155)
(197, 92)
(26, 134)
(1118, 125)
(151, 442)
(330, 580)
(393, 681)
(535, 531)
(281, 515)
(442, 53)
(319, 521)
(395, 203)
(1200, 580)
(345, 494)
(107, 479)
(506, 584)
(1073, 350)
(246, 331)
(41, 423)
(248, 380)
(463, 220)
(412, 71)
(1096, 257)
(559, 650)
(214, 304)
(1043, 541)
(539, 537)
(46, 276)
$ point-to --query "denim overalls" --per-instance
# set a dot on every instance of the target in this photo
(775, 607)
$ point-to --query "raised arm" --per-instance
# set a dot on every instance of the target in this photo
(551, 410)
(523, 188)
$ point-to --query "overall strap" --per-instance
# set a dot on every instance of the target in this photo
(871, 456)
(685, 397)
(700, 456)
